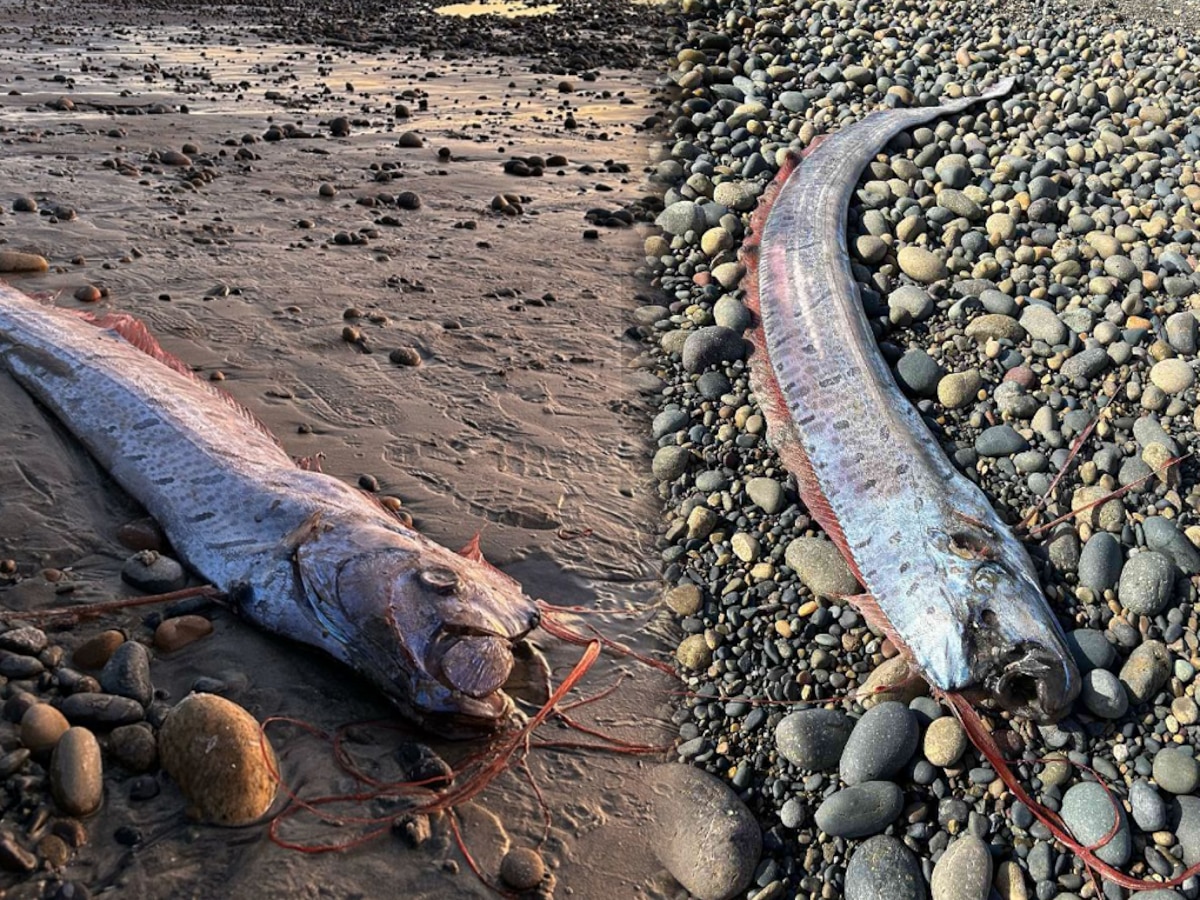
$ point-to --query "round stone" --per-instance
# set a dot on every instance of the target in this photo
(702, 833)
(860, 810)
(945, 741)
(150, 571)
(95, 652)
(1100, 562)
(221, 761)
(1090, 649)
(882, 741)
(1088, 812)
(684, 600)
(1103, 695)
(42, 727)
(964, 871)
(1148, 809)
(1176, 771)
(813, 738)
(959, 389)
(522, 869)
(882, 868)
(1000, 440)
(711, 346)
(1146, 670)
(921, 265)
(76, 773)
(821, 567)
(1147, 581)
(670, 462)
(766, 493)
(1172, 376)
(909, 303)
(694, 653)
(918, 373)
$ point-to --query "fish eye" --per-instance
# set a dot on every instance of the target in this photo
(986, 577)
(440, 579)
(967, 546)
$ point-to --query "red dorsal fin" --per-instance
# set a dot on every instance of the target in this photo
(470, 550)
(135, 332)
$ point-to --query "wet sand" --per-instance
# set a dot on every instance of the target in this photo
(523, 420)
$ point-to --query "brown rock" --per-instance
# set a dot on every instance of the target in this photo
(94, 652)
(180, 631)
(142, 534)
(76, 773)
(54, 851)
(15, 261)
(522, 869)
(42, 726)
(215, 752)
(133, 747)
(88, 293)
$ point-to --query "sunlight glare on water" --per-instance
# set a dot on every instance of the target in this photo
(508, 9)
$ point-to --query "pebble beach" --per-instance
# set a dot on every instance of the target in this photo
(1029, 270)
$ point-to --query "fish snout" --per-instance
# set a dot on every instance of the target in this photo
(1037, 682)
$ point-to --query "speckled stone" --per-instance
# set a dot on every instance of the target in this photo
(702, 833)
(882, 741)
(964, 872)
(882, 868)
(813, 738)
(1088, 812)
(217, 755)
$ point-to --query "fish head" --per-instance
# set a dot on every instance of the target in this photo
(1012, 645)
(433, 629)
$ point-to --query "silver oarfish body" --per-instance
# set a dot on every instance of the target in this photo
(944, 576)
(299, 553)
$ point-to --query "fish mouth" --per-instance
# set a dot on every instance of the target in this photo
(1035, 682)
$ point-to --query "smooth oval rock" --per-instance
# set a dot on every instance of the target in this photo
(860, 809)
(1146, 583)
(177, 632)
(813, 738)
(964, 872)
(42, 727)
(77, 773)
(702, 833)
(1088, 812)
(127, 673)
(1175, 770)
(217, 755)
(882, 868)
(821, 567)
(1146, 670)
(882, 741)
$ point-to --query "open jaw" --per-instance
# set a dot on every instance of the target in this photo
(1035, 682)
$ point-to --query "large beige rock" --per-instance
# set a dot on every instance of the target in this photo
(217, 755)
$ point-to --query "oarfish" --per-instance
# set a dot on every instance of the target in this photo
(298, 552)
(944, 577)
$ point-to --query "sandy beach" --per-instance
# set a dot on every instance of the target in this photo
(291, 219)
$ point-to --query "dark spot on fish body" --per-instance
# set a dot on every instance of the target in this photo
(164, 480)
(212, 478)
(202, 517)
(144, 424)
(902, 469)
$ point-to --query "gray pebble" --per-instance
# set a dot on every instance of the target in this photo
(1000, 440)
(1146, 670)
(1146, 583)
(918, 373)
(1162, 535)
(860, 810)
(1183, 818)
(1086, 364)
(821, 567)
(964, 872)
(670, 462)
(882, 868)
(813, 738)
(710, 346)
(1149, 810)
(1176, 770)
(1088, 812)
(766, 493)
(1100, 562)
(153, 573)
(1090, 649)
(1103, 694)
(702, 833)
(127, 673)
(882, 741)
